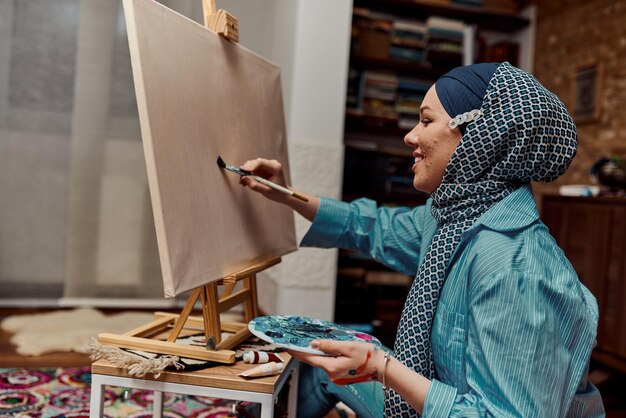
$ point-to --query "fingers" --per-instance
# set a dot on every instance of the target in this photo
(268, 169)
(351, 362)
(255, 185)
(262, 167)
(305, 357)
(344, 348)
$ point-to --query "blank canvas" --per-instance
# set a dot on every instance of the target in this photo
(200, 96)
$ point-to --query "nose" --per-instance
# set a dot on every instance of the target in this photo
(411, 138)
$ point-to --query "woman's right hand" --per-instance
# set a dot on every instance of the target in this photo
(271, 170)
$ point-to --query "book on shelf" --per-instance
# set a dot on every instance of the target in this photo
(415, 85)
(407, 121)
(408, 40)
(379, 94)
(404, 53)
(445, 28)
(413, 29)
(373, 44)
(409, 104)
(354, 98)
(445, 40)
(371, 32)
(411, 92)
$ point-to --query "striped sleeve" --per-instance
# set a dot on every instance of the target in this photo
(391, 236)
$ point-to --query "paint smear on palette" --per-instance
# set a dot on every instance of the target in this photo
(297, 332)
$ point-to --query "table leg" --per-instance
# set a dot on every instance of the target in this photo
(96, 401)
(157, 404)
(267, 407)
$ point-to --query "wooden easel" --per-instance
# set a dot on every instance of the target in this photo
(213, 304)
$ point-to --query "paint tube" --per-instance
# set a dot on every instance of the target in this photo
(267, 369)
(255, 357)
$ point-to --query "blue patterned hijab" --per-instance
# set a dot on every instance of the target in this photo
(525, 134)
(463, 88)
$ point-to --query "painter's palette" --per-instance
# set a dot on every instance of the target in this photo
(297, 332)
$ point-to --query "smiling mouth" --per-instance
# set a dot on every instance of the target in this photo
(418, 159)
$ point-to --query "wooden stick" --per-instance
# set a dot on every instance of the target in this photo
(220, 21)
(164, 347)
(210, 344)
(255, 269)
(211, 309)
(251, 308)
(208, 9)
(182, 318)
(197, 322)
(230, 282)
(234, 340)
(238, 298)
(151, 327)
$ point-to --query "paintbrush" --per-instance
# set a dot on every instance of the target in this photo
(261, 180)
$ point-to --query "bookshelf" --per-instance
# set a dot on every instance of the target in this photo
(501, 16)
(398, 49)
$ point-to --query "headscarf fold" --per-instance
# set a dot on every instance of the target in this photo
(525, 134)
(463, 88)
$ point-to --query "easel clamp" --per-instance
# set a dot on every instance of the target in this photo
(220, 21)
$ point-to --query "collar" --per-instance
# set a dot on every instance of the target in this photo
(516, 211)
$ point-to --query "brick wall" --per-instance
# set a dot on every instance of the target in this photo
(571, 33)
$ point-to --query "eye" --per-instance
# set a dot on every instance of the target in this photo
(425, 122)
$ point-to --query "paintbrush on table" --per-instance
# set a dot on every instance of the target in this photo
(261, 180)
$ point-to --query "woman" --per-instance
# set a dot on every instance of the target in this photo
(496, 322)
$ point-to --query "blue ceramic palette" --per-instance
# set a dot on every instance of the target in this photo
(297, 332)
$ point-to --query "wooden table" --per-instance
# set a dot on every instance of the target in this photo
(217, 382)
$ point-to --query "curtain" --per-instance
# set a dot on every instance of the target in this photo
(75, 213)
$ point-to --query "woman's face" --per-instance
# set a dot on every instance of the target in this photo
(433, 143)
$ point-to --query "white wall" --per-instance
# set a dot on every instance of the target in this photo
(309, 40)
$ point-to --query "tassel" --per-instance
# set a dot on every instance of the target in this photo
(136, 365)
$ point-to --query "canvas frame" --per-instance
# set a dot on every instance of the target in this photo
(200, 96)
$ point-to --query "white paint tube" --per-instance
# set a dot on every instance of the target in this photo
(267, 369)
(255, 357)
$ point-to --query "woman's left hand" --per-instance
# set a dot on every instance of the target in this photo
(349, 361)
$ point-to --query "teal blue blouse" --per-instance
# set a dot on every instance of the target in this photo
(514, 327)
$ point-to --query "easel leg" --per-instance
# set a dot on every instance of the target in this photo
(251, 309)
(96, 402)
(157, 404)
(292, 401)
(213, 327)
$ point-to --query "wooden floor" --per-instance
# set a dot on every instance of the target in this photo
(612, 384)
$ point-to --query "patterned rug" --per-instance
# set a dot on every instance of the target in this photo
(64, 393)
